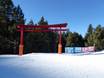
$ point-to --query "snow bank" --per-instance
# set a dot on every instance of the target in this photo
(44, 65)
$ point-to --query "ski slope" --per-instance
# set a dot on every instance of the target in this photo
(48, 65)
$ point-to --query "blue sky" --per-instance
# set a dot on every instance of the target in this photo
(77, 13)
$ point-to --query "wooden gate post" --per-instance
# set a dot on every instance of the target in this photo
(21, 46)
(60, 43)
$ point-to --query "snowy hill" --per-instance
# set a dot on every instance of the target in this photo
(44, 65)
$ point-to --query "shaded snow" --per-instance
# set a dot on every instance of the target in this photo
(44, 65)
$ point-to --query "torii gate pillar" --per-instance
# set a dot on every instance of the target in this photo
(60, 43)
(21, 46)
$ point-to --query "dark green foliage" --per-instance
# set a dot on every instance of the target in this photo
(95, 37)
(89, 36)
(74, 40)
(31, 22)
(42, 21)
(40, 41)
(48, 39)
(63, 41)
(99, 37)
(10, 17)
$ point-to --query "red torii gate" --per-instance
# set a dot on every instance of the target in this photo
(47, 28)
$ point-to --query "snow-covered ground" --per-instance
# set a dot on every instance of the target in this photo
(48, 65)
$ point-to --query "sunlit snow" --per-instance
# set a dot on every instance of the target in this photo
(48, 65)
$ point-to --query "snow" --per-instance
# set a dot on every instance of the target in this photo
(48, 65)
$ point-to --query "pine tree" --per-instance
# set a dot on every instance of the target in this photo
(89, 37)
(31, 22)
(9, 15)
(36, 40)
(63, 41)
(49, 39)
(74, 40)
(6, 7)
(6, 15)
(69, 39)
(98, 37)
(42, 21)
